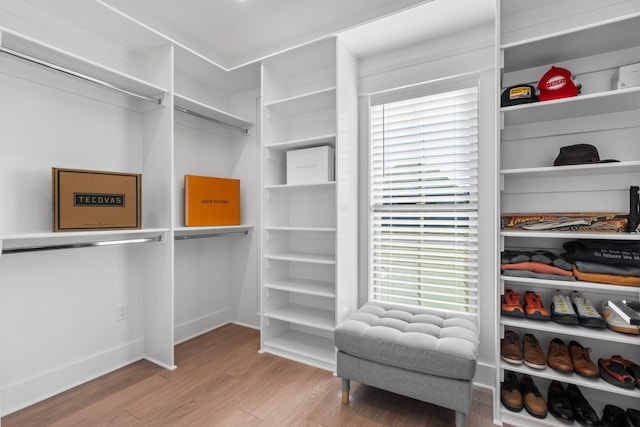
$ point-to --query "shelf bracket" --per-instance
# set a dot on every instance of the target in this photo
(95, 244)
(90, 79)
(211, 119)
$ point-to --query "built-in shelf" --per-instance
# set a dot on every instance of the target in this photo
(601, 37)
(302, 286)
(302, 257)
(329, 139)
(613, 101)
(304, 347)
(573, 170)
(305, 103)
(312, 229)
(303, 315)
(31, 242)
(575, 284)
(198, 109)
(594, 383)
(570, 330)
(296, 186)
(25, 49)
(571, 235)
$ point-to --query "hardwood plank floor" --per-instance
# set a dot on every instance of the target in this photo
(222, 380)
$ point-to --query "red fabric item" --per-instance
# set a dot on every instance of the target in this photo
(557, 83)
(538, 267)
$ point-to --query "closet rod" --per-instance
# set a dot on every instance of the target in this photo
(78, 75)
(211, 119)
(80, 245)
(219, 234)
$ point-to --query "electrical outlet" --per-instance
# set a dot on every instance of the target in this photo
(121, 312)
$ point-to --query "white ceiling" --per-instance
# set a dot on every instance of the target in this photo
(233, 33)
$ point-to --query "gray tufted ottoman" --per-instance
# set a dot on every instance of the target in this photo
(423, 353)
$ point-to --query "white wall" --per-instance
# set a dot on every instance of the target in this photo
(461, 53)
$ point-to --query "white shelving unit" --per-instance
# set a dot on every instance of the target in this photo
(592, 43)
(85, 87)
(308, 230)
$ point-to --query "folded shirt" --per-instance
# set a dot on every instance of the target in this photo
(618, 270)
(533, 275)
(606, 278)
(604, 251)
(542, 256)
(537, 267)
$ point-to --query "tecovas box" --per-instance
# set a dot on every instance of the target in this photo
(96, 200)
(310, 165)
(626, 76)
(211, 201)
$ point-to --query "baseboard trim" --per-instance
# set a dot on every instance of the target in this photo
(196, 327)
(37, 388)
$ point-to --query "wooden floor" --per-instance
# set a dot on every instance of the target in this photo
(222, 380)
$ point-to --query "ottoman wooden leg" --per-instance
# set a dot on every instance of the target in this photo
(345, 391)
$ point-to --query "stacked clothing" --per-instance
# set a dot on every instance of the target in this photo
(536, 264)
(605, 261)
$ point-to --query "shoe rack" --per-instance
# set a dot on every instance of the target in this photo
(591, 39)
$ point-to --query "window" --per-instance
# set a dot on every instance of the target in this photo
(424, 197)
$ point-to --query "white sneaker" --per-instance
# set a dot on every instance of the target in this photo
(587, 313)
(617, 323)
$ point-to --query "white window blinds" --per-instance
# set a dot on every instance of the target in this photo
(424, 199)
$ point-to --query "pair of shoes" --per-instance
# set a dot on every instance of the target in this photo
(575, 310)
(613, 416)
(532, 309)
(587, 314)
(510, 395)
(621, 372)
(532, 398)
(615, 322)
(571, 358)
(569, 405)
(529, 351)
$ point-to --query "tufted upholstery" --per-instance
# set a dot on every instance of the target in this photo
(419, 339)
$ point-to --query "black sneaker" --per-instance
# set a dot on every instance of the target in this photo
(634, 417)
(562, 310)
(558, 403)
(587, 314)
(582, 410)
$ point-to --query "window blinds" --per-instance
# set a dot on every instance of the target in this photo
(424, 199)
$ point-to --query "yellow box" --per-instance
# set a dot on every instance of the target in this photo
(211, 201)
(96, 200)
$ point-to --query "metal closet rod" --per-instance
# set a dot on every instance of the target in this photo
(211, 119)
(81, 245)
(78, 75)
(219, 234)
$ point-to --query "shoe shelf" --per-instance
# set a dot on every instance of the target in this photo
(303, 347)
(570, 330)
(630, 291)
(572, 378)
(302, 257)
(304, 286)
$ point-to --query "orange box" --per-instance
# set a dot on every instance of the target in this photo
(211, 201)
(96, 200)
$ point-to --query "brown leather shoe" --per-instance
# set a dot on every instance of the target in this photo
(510, 348)
(558, 356)
(533, 355)
(582, 363)
(534, 403)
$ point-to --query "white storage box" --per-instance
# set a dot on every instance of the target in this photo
(310, 165)
(626, 76)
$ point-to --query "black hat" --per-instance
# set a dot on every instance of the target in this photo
(519, 94)
(579, 154)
